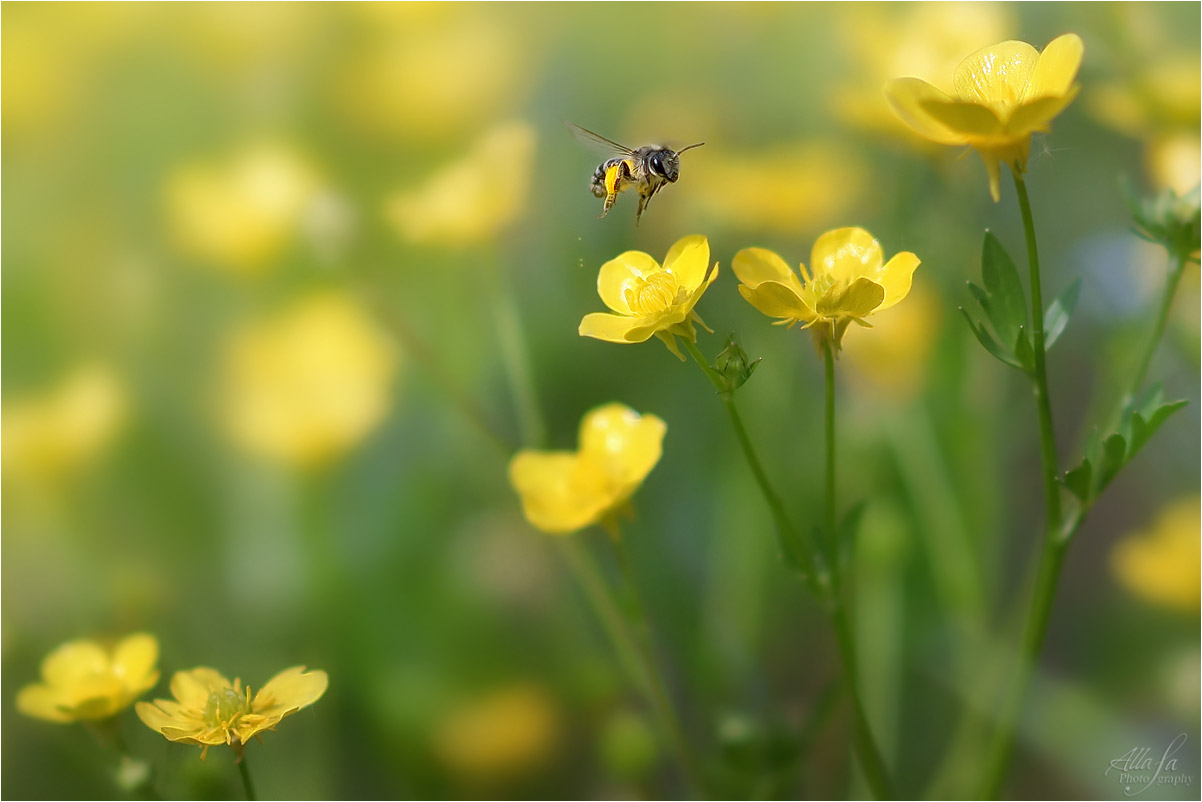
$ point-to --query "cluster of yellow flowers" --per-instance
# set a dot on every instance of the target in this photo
(86, 681)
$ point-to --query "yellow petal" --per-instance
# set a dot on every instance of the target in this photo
(754, 266)
(970, 120)
(994, 169)
(689, 258)
(997, 74)
(134, 661)
(611, 328)
(908, 97)
(290, 690)
(1037, 115)
(620, 273)
(41, 702)
(846, 254)
(776, 300)
(858, 300)
(896, 277)
(558, 494)
(192, 688)
(628, 444)
(1056, 68)
(73, 663)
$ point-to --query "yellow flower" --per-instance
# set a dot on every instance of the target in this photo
(310, 383)
(506, 733)
(471, 200)
(652, 300)
(897, 355)
(850, 281)
(82, 680)
(1003, 94)
(208, 710)
(563, 491)
(1162, 564)
(240, 215)
(48, 436)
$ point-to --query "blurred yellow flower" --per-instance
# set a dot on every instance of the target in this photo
(919, 39)
(308, 384)
(209, 711)
(240, 214)
(471, 200)
(895, 357)
(509, 732)
(84, 681)
(648, 299)
(850, 281)
(564, 491)
(1004, 93)
(1164, 564)
(45, 437)
(796, 186)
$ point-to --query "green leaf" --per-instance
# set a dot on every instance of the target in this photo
(1058, 314)
(1077, 480)
(1114, 448)
(986, 339)
(1143, 428)
(1023, 351)
(1008, 304)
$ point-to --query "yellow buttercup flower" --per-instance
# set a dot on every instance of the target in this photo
(84, 681)
(648, 299)
(473, 199)
(564, 491)
(1003, 94)
(240, 214)
(310, 383)
(1162, 564)
(851, 280)
(506, 733)
(209, 710)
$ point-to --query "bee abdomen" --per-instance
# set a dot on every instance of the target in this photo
(597, 183)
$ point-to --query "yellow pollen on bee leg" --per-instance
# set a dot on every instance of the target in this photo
(653, 293)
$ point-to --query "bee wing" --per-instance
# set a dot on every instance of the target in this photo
(597, 142)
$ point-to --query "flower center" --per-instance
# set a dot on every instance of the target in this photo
(653, 293)
(224, 706)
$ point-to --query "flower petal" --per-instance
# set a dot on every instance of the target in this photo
(896, 277)
(73, 663)
(860, 299)
(970, 120)
(689, 258)
(846, 254)
(41, 702)
(558, 494)
(1056, 68)
(628, 444)
(1037, 115)
(290, 690)
(134, 661)
(192, 688)
(155, 718)
(997, 74)
(776, 300)
(619, 273)
(753, 266)
(611, 328)
(907, 96)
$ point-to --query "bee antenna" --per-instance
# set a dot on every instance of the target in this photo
(690, 147)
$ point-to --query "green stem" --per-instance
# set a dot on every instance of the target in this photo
(829, 504)
(246, 783)
(1153, 341)
(1052, 555)
(659, 697)
(512, 343)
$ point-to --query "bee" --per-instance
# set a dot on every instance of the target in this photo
(646, 169)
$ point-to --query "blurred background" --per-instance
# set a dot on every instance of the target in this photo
(273, 275)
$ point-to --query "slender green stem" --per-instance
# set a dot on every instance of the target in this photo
(829, 505)
(1052, 554)
(246, 783)
(1153, 341)
(512, 343)
(660, 699)
(866, 748)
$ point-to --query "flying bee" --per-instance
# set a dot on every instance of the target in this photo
(646, 169)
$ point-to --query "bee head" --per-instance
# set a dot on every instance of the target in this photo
(665, 164)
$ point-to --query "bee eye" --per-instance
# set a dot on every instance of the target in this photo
(657, 163)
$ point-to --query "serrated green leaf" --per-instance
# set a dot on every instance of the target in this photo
(1023, 351)
(1114, 448)
(1077, 480)
(1142, 429)
(1008, 303)
(986, 339)
(1056, 319)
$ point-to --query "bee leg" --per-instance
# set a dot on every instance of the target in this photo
(613, 185)
(642, 205)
